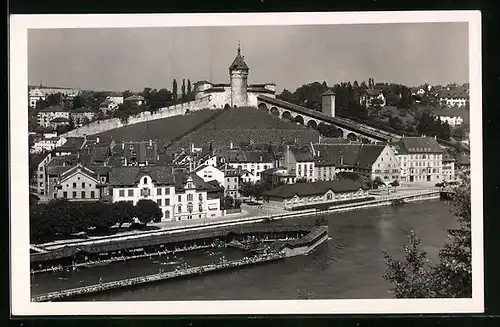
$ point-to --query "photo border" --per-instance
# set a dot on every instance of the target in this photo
(18, 141)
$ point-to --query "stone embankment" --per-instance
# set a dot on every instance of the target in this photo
(101, 126)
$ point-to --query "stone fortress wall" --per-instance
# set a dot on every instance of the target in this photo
(101, 126)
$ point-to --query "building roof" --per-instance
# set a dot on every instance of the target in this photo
(135, 98)
(141, 152)
(373, 93)
(357, 155)
(35, 160)
(455, 93)
(279, 171)
(246, 156)
(107, 102)
(302, 155)
(72, 144)
(257, 89)
(60, 120)
(287, 191)
(130, 176)
(419, 145)
(115, 94)
(215, 89)
(36, 92)
(53, 109)
(329, 92)
(239, 61)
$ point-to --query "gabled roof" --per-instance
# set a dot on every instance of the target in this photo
(35, 160)
(302, 155)
(75, 169)
(72, 144)
(107, 102)
(287, 191)
(135, 98)
(419, 145)
(250, 156)
(36, 93)
(357, 155)
(130, 176)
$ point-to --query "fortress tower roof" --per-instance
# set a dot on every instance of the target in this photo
(239, 61)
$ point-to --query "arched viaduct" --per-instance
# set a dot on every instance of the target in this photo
(313, 119)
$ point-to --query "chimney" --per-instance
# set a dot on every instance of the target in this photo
(123, 145)
(125, 164)
(231, 145)
(158, 157)
(97, 140)
(146, 162)
(260, 158)
(192, 147)
(150, 142)
(341, 160)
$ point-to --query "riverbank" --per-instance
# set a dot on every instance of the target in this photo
(234, 221)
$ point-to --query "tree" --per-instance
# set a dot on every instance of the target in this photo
(126, 94)
(183, 89)
(377, 182)
(247, 189)
(77, 102)
(54, 99)
(189, 88)
(228, 202)
(125, 212)
(147, 211)
(174, 89)
(394, 183)
(452, 276)
(237, 203)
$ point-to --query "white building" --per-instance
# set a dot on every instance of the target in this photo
(34, 96)
(115, 97)
(301, 162)
(179, 196)
(454, 117)
(108, 106)
(420, 159)
(254, 162)
(45, 116)
(37, 164)
(47, 144)
(448, 168)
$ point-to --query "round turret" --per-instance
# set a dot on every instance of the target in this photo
(238, 73)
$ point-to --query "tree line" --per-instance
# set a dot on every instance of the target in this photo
(62, 218)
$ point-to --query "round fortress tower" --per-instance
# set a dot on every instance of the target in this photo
(238, 73)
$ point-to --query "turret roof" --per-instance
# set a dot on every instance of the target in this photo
(239, 61)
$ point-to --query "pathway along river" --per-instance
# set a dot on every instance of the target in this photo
(350, 265)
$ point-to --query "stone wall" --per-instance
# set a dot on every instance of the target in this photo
(109, 124)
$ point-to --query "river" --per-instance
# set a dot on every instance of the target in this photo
(349, 266)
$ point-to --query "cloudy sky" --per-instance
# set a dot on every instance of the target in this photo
(134, 58)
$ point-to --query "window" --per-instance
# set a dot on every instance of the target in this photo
(329, 196)
(121, 193)
(74, 185)
(179, 198)
(159, 202)
(190, 197)
(92, 194)
(167, 191)
(167, 202)
(200, 207)
(167, 214)
(83, 194)
(200, 197)
(41, 184)
(236, 180)
(179, 208)
(65, 195)
(131, 192)
(74, 195)
(55, 195)
(83, 185)
(41, 169)
(145, 180)
(41, 175)
(158, 191)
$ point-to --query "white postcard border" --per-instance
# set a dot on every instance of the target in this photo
(19, 210)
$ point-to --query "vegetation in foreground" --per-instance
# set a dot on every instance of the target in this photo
(451, 277)
(60, 219)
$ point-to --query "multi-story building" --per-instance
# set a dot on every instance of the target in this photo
(115, 97)
(34, 96)
(135, 99)
(58, 122)
(420, 158)
(37, 165)
(454, 97)
(300, 162)
(278, 176)
(254, 162)
(454, 117)
(82, 116)
(448, 168)
(180, 196)
(370, 160)
(47, 144)
(78, 183)
(108, 106)
(143, 153)
(45, 116)
(367, 98)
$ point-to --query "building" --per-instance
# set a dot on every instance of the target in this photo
(108, 106)
(210, 173)
(278, 176)
(370, 160)
(367, 98)
(37, 164)
(135, 99)
(454, 97)
(454, 117)
(65, 91)
(301, 162)
(448, 168)
(115, 97)
(71, 146)
(46, 115)
(34, 96)
(143, 153)
(47, 144)
(58, 122)
(154, 183)
(420, 158)
(195, 199)
(78, 183)
(82, 116)
(316, 195)
(238, 93)
(249, 163)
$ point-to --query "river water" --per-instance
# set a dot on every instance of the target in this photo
(349, 266)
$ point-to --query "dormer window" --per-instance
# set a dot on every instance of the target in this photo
(145, 180)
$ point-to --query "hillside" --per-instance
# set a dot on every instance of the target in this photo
(244, 124)
(164, 130)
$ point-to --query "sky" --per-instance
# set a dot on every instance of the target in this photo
(118, 59)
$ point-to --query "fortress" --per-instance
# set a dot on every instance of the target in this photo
(237, 93)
